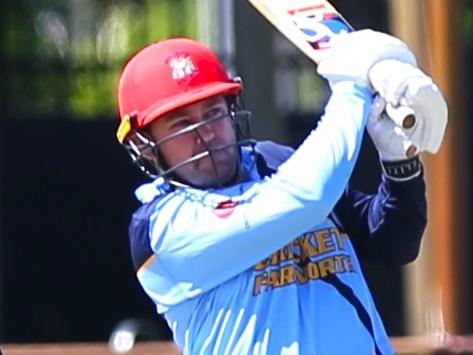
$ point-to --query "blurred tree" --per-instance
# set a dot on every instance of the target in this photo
(62, 58)
(468, 22)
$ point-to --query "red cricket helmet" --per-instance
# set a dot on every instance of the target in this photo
(165, 76)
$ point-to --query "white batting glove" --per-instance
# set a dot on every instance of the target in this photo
(403, 85)
(352, 55)
(398, 155)
(392, 141)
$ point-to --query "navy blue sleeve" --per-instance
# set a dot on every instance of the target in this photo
(138, 229)
(387, 227)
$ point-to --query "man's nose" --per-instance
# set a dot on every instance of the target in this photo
(205, 132)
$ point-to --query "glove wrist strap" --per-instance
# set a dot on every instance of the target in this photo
(402, 170)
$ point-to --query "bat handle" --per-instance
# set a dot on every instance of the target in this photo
(402, 116)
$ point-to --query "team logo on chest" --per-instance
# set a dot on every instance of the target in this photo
(182, 67)
(312, 256)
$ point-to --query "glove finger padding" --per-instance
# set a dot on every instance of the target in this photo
(431, 112)
(392, 141)
(402, 84)
(353, 54)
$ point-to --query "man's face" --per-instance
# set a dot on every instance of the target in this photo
(214, 134)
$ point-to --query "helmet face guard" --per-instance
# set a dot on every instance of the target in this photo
(146, 152)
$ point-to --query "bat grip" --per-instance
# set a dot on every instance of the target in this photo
(403, 116)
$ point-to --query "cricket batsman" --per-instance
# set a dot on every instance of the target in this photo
(250, 247)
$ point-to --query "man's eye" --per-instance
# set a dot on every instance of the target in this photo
(179, 124)
(214, 112)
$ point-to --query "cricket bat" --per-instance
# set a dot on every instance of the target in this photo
(311, 25)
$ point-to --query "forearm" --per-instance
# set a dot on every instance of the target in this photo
(387, 227)
(397, 237)
(320, 168)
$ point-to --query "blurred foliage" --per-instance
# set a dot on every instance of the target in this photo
(468, 22)
(63, 57)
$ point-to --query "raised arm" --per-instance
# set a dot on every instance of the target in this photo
(387, 227)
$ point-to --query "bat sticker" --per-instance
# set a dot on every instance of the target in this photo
(318, 25)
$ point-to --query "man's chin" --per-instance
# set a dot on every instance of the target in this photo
(209, 177)
(211, 171)
(214, 180)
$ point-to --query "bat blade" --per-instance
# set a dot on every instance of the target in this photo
(309, 24)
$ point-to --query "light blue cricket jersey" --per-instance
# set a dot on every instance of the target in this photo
(258, 268)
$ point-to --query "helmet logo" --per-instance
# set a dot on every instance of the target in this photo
(182, 66)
